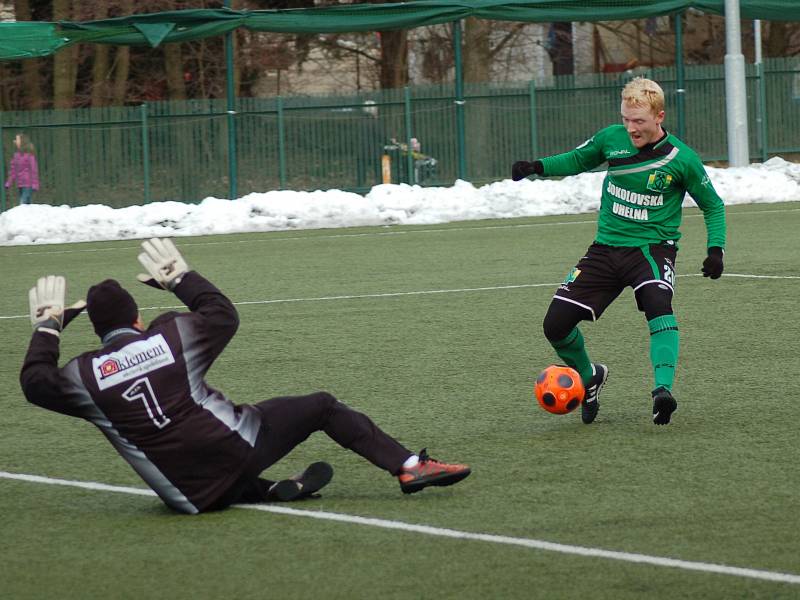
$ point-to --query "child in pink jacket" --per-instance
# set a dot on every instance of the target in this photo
(23, 169)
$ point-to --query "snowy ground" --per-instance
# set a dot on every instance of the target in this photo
(774, 181)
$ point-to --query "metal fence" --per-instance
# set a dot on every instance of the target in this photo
(121, 156)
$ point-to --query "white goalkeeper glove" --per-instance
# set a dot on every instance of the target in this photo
(47, 305)
(164, 264)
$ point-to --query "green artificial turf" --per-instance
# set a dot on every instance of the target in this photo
(452, 370)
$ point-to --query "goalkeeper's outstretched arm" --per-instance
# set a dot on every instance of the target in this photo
(40, 378)
(167, 269)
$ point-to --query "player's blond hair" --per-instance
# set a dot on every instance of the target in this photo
(644, 93)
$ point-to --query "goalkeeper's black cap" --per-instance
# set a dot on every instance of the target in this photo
(110, 307)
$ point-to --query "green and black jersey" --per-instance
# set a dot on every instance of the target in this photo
(644, 188)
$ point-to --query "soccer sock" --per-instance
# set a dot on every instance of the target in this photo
(664, 340)
(573, 352)
(411, 461)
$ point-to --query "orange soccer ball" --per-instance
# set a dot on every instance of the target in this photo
(559, 389)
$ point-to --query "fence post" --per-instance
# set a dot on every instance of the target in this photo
(231, 106)
(281, 145)
(735, 88)
(409, 148)
(145, 153)
(762, 111)
(459, 82)
(680, 91)
(761, 96)
(532, 107)
(2, 172)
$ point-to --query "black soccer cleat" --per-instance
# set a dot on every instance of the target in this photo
(591, 399)
(663, 405)
(303, 485)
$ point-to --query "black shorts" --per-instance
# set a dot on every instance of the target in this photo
(602, 274)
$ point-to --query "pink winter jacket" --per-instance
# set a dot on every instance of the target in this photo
(24, 170)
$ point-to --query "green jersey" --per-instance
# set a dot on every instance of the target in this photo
(644, 188)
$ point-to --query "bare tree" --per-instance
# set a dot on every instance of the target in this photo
(31, 80)
(100, 67)
(484, 43)
(560, 49)
(394, 59)
(64, 62)
(98, 74)
(173, 65)
(477, 50)
(434, 45)
(782, 39)
(704, 39)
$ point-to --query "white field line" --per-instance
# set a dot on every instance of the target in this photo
(275, 238)
(347, 297)
(331, 236)
(646, 559)
(414, 293)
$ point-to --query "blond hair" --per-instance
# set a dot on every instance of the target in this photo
(644, 93)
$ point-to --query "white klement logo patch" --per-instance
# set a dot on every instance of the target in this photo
(131, 361)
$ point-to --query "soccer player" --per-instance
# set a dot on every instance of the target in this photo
(649, 173)
(145, 390)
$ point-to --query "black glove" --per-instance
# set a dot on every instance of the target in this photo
(522, 169)
(712, 265)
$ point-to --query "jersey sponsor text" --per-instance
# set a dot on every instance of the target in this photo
(638, 214)
(131, 361)
(635, 198)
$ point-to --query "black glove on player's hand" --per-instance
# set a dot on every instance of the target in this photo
(522, 169)
(712, 265)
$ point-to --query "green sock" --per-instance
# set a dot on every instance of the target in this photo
(573, 352)
(664, 340)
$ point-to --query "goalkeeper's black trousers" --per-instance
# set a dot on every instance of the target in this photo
(288, 421)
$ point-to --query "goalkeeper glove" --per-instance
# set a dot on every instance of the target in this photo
(164, 264)
(712, 265)
(522, 169)
(47, 305)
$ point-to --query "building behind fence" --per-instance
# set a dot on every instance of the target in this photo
(122, 156)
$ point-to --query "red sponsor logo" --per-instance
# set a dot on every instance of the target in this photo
(109, 367)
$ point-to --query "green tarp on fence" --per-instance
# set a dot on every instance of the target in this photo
(130, 155)
(35, 39)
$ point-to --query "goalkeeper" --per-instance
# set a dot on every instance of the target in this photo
(145, 390)
(649, 173)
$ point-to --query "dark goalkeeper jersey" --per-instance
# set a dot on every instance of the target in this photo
(643, 190)
(146, 393)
